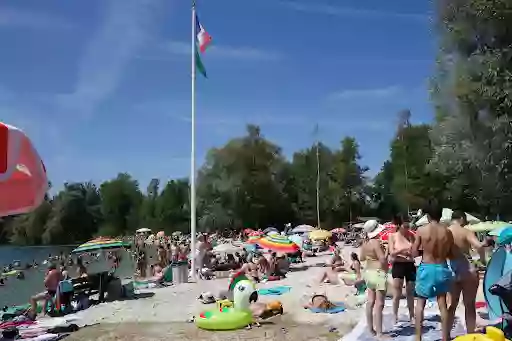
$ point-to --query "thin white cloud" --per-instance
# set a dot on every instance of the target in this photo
(223, 52)
(123, 33)
(20, 18)
(374, 93)
(352, 12)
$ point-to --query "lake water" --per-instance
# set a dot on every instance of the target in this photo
(16, 291)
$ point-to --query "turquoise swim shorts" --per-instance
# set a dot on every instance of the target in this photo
(433, 280)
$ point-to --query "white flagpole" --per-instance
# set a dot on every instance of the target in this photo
(193, 149)
(317, 178)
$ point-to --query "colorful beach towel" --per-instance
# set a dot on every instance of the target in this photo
(405, 331)
(338, 308)
(277, 291)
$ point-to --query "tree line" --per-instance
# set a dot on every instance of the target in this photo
(463, 159)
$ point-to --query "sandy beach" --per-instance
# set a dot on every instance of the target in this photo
(162, 313)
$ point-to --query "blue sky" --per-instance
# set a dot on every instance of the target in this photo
(103, 86)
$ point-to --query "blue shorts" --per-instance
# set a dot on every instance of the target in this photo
(433, 280)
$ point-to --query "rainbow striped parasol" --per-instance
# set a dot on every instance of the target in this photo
(278, 243)
(101, 243)
(253, 240)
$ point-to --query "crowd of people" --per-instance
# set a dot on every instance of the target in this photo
(444, 273)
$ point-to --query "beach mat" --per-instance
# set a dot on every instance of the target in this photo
(404, 331)
(276, 291)
(338, 308)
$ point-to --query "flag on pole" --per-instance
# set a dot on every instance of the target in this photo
(199, 65)
(202, 37)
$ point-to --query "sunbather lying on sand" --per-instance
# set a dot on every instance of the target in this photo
(319, 301)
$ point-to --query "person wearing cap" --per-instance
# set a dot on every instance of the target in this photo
(375, 275)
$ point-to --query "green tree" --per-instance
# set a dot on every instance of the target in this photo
(121, 203)
(148, 214)
(244, 176)
(28, 229)
(301, 183)
(75, 215)
(472, 92)
(172, 207)
(347, 186)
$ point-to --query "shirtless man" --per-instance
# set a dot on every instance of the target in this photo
(51, 282)
(466, 275)
(434, 277)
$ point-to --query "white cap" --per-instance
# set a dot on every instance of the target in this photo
(372, 228)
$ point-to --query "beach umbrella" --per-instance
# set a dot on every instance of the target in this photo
(320, 234)
(493, 227)
(338, 230)
(226, 248)
(358, 226)
(390, 226)
(101, 243)
(278, 243)
(150, 239)
(297, 239)
(302, 229)
(23, 180)
(270, 229)
(446, 217)
(384, 235)
(253, 239)
(143, 230)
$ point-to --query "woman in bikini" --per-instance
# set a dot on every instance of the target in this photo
(354, 276)
(403, 267)
(336, 267)
(374, 275)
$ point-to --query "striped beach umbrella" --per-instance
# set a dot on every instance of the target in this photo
(253, 239)
(278, 243)
(23, 180)
(101, 243)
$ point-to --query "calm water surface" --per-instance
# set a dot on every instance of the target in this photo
(16, 291)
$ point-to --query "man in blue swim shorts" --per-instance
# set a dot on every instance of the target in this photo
(434, 277)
